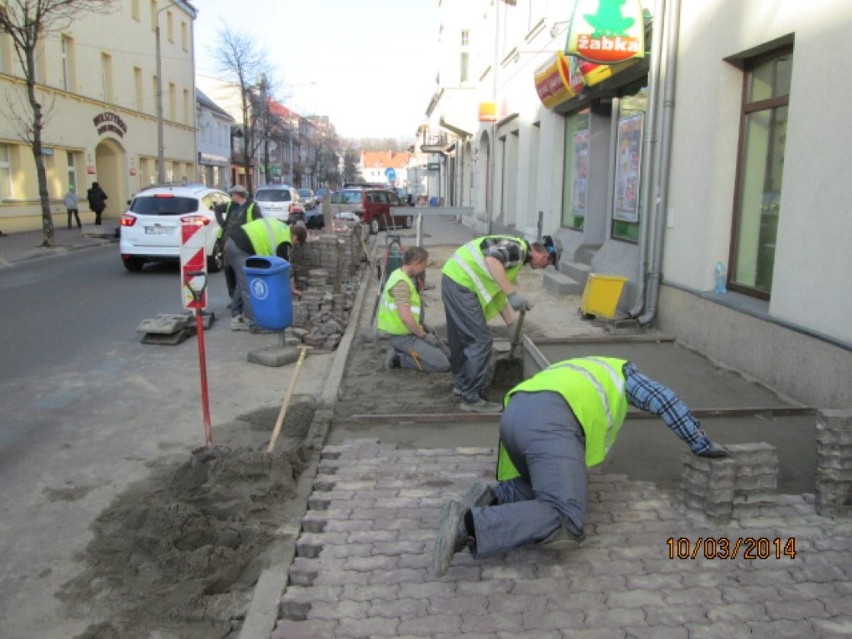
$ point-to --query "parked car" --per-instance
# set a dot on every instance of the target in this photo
(280, 201)
(322, 193)
(370, 205)
(150, 229)
(308, 199)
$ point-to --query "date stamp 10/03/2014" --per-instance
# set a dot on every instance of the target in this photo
(731, 548)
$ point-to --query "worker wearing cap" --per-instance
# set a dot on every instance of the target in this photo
(238, 211)
(267, 237)
(401, 319)
(478, 284)
(554, 425)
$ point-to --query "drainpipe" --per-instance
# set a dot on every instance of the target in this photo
(649, 159)
(652, 294)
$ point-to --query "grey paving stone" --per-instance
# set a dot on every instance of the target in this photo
(286, 629)
(838, 626)
(432, 624)
(795, 609)
(656, 632)
(552, 620)
(783, 629)
(338, 610)
(610, 617)
(675, 615)
(634, 599)
(371, 627)
(737, 612)
(721, 631)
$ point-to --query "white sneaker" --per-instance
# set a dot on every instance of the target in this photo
(237, 324)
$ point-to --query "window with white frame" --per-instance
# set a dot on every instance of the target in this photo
(71, 164)
(5, 171)
(67, 45)
(106, 77)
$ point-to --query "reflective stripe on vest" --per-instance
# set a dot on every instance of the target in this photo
(389, 319)
(470, 262)
(600, 413)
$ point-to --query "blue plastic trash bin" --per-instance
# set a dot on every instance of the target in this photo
(269, 288)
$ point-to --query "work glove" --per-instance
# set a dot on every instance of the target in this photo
(715, 451)
(431, 338)
(519, 302)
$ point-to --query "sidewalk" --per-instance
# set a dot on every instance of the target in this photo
(26, 245)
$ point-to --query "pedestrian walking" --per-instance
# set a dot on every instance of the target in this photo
(72, 203)
(556, 424)
(265, 236)
(478, 283)
(97, 198)
(401, 319)
(241, 209)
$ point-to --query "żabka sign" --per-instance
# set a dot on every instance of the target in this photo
(607, 31)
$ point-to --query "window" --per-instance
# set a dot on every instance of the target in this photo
(172, 101)
(140, 91)
(760, 168)
(627, 198)
(5, 51)
(576, 170)
(170, 26)
(464, 57)
(67, 45)
(106, 77)
(70, 163)
(186, 107)
(153, 15)
(184, 36)
(134, 9)
(5, 172)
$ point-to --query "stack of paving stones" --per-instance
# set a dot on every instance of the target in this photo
(645, 570)
(740, 487)
(322, 251)
(834, 464)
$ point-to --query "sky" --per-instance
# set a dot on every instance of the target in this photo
(367, 64)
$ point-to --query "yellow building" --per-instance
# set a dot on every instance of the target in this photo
(97, 80)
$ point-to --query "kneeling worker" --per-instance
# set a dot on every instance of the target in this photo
(554, 425)
(401, 317)
(266, 237)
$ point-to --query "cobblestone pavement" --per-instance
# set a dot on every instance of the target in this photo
(361, 568)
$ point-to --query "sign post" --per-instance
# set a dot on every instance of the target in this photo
(193, 278)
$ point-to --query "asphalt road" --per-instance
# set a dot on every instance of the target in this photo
(87, 409)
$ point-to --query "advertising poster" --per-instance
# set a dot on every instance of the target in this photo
(627, 167)
(580, 172)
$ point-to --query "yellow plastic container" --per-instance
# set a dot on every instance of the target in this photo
(601, 295)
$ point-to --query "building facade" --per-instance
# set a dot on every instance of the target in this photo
(98, 81)
(214, 142)
(710, 152)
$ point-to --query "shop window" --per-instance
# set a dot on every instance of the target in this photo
(763, 134)
(576, 172)
(627, 195)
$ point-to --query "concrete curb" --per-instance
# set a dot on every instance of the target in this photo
(263, 610)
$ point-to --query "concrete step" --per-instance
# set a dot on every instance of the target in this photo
(585, 253)
(577, 271)
(561, 284)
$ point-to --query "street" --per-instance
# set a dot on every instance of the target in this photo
(88, 410)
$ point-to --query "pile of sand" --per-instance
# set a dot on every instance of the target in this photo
(178, 554)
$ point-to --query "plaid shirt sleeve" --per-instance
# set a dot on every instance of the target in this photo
(508, 252)
(643, 392)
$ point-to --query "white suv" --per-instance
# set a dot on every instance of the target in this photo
(150, 228)
(280, 201)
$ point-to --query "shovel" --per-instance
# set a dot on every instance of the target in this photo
(509, 370)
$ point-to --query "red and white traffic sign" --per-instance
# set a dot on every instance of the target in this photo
(193, 259)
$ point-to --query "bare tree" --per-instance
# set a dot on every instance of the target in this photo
(242, 63)
(29, 22)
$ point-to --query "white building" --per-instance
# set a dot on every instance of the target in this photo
(214, 142)
(725, 144)
(98, 81)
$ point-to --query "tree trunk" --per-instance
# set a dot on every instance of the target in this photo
(35, 143)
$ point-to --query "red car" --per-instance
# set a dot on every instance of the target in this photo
(372, 206)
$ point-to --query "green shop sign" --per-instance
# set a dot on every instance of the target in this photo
(607, 31)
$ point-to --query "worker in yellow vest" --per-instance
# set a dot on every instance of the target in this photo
(401, 320)
(478, 283)
(556, 424)
(266, 236)
(241, 209)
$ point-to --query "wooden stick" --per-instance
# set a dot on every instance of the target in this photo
(280, 421)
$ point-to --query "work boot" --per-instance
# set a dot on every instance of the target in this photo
(481, 406)
(237, 324)
(391, 358)
(452, 536)
(478, 495)
(561, 539)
